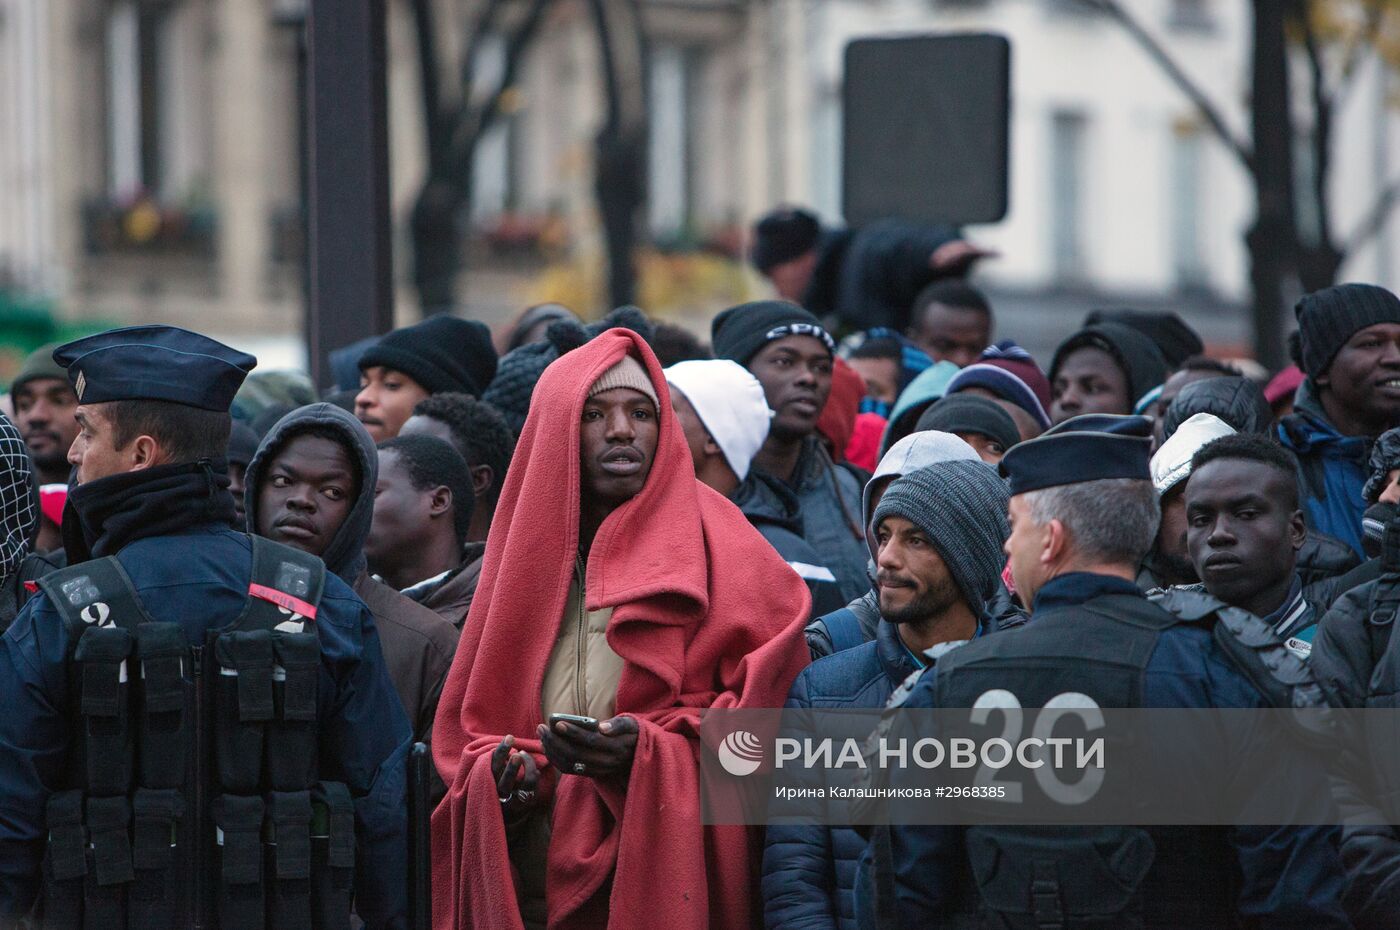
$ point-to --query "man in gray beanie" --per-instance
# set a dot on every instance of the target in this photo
(938, 536)
(939, 533)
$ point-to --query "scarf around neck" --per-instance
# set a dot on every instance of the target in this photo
(104, 516)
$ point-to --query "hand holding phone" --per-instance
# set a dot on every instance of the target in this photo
(586, 723)
(588, 747)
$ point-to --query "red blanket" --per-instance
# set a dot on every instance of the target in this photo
(705, 614)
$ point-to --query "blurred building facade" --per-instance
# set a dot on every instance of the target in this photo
(149, 150)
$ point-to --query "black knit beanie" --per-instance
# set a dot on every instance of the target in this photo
(442, 353)
(739, 332)
(1329, 317)
(514, 384)
(961, 507)
(783, 235)
(1174, 339)
(1134, 352)
(968, 413)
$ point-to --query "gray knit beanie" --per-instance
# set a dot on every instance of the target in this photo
(961, 506)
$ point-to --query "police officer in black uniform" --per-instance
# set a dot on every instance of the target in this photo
(198, 728)
(1083, 515)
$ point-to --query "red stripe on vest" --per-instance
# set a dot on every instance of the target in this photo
(282, 599)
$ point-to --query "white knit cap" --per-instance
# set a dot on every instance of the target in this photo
(1171, 464)
(730, 403)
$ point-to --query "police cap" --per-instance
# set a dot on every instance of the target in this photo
(1093, 447)
(154, 363)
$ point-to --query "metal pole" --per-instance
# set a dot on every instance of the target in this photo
(348, 235)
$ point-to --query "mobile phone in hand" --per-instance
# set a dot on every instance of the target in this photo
(586, 723)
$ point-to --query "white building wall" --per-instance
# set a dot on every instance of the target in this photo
(27, 237)
(1087, 65)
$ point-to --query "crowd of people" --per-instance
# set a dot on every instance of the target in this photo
(234, 602)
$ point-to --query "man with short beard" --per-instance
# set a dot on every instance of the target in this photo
(938, 533)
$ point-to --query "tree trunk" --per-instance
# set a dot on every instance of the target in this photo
(437, 245)
(1272, 241)
(620, 180)
(433, 224)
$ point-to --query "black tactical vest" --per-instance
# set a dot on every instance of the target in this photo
(194, 798)
(1074, 878)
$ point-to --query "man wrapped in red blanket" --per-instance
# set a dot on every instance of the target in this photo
(615, 586)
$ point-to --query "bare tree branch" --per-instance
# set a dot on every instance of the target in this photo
(1374, 220)
(477, 120)
(482, 26)
(1361, 43)
(434, 118)
(1158, 53)
(1322, 130)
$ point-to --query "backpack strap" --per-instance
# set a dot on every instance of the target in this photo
(1384, 602)
(843, 628)
(94, 594)
(1285, 680)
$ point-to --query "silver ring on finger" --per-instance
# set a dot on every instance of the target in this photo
(524, 796)
(580, 768)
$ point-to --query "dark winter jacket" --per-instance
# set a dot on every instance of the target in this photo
(828, 500)
(1332, 468)
(1285, 877)
(809, 871)
(1238, 401)
(418, 644)
(1350, 642)
(194, 570)
(870, 276)
(773, 509)
(451, 597)
(1328, 591)
(1324, 557)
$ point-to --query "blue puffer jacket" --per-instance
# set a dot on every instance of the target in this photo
(1332, 469)
(809, 872)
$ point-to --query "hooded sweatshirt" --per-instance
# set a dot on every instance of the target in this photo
(704, 614)
(417, 643)
(1137, 355)
(928, 387)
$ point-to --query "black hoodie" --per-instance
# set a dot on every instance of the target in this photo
(418, 644)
